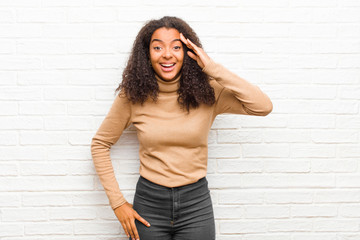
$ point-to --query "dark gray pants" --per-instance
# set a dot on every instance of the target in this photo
(178, 213)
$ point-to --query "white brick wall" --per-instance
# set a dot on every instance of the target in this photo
(292, 175)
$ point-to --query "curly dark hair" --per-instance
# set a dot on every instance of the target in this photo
(139, 80)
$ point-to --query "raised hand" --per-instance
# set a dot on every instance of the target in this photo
(200, 55)
(127, 215)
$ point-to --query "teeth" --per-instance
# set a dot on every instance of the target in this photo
(168, 65)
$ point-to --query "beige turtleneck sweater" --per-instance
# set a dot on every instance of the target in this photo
(173, 144)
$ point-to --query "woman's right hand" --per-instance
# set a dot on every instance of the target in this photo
(127, 215)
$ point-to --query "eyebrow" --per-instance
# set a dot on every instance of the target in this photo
(155, 39)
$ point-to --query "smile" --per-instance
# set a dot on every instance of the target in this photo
(167, 67)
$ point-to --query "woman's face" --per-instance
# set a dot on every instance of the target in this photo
(166, 53)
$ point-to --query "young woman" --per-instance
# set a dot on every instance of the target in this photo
(171, 92)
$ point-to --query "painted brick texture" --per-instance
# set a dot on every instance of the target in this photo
(292, 175)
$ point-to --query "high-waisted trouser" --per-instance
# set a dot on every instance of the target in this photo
(175, 213)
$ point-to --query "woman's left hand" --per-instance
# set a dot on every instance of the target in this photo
(200, 56)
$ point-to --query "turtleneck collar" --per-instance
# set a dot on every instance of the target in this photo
(168, 86)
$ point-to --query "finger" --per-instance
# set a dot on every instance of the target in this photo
(185, 41)
(134, 229)
(125, 229)
(138, 217)
(192, 55)
(128, 224)
(192, 45)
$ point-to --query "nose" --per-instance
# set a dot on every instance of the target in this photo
(167, 53)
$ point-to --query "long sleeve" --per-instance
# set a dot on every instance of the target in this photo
(238, 95)
(110, 130)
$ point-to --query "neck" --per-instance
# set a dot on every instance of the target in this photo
(168, 85)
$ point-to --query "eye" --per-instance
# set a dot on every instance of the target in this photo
(157, 48)
(177, 47)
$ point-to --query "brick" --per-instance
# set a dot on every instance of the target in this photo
(97, 228)
(80, 138)
(20, 3)
(243, 196)
(224, 150)
(8, 78)
(42, 108)
(349, 61)
(81, 168)
(336, 225)
(89, 198)
(67, 123)
(228, 212)
(66, 3)
(290, 225)
(8, 169)
(10, 200)
(23, 153)
(288, 196)
(68, 152)
(43, 168)
(60, 31)
(24, 214)
(106, 30)
(312, 150)
(287, 166)
(287, 180)
(35, 47)
(349, 211)
(334, 76)
(315, 236)
(266, 212)
(239, 165)
(72, 213)
(349, 150)
(243, 227)
(8, 108)
(20, 31)
(6, 46)
(41, 15)
(46, 199)
(88, 15)
(335, 46)
(42, 138)
(47, 229)
(346, 181)
(96, 77)
(337, 196)
(342, 136)
(286, 136)
(11, 230)
(239, 136)
(235, 14)
(265, 150)
(334, 165)
(59, 183)
(348, 122)
(314, 211)
(223, 181)
(19, 62)
(312, 121)
(32, 78)
(93, 46)
(68, 62)
(312, 31)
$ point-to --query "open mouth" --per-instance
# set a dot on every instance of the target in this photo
(167, 67)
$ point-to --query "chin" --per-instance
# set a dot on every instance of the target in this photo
(167, 77)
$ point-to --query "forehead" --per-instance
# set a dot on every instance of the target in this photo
(165, 34)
